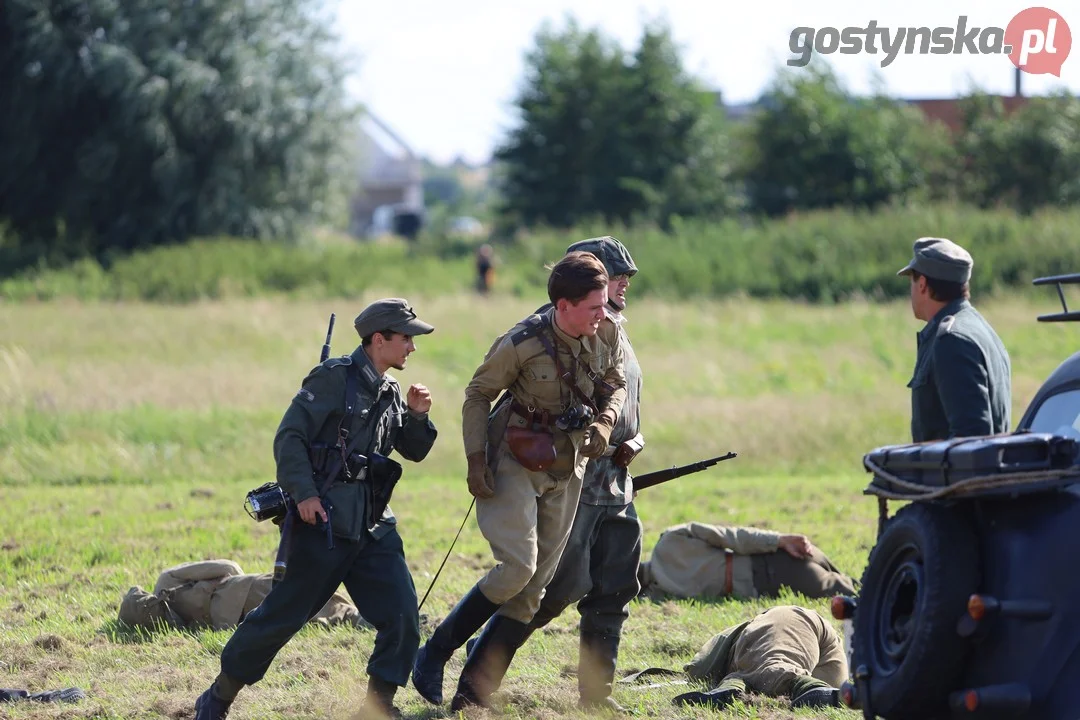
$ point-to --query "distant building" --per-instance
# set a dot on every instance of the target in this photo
(390, 197)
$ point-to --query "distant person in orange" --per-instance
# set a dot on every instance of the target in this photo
(485, 269)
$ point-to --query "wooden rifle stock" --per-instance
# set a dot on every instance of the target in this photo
(662, 476)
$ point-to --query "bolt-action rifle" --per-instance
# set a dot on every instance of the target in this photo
(662, 476)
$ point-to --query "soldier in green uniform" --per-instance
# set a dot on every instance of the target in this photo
(785, 650)
(349, 535)
(962, 380)
(562, 371)
(599, 567)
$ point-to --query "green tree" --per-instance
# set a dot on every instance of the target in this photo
(813, 145)
(142, 122)
(1027, 159)
(603, 134)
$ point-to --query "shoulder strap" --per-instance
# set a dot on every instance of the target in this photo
(566, 376)
(352, 377)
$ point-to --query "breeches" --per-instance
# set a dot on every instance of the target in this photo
(598, 569)
(527, 524)
(814, 577)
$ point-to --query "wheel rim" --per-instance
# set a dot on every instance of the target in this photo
(896, 613)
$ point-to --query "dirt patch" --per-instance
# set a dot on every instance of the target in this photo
(50, 643)
(8, 545)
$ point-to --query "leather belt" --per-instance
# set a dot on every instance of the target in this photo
(729, 571)
(532, 415)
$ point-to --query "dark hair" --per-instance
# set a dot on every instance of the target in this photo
(944, 290)
(575, 276)
(387, 335)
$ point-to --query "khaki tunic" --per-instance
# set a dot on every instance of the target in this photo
(218, 594)
(528, 521)
(685, 561)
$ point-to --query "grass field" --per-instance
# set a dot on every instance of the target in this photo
(130, 433)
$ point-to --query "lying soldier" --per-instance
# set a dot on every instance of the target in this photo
(696, 560)
(215, 594)
(785, 651)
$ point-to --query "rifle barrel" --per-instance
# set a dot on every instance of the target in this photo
(648, 480)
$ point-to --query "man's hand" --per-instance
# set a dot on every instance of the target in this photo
(797, 546)
(481, 482)
(310, 509)
(595, 440)
(419, 398)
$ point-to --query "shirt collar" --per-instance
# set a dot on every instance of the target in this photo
(368, 374)
(576, 345)
(950, 308)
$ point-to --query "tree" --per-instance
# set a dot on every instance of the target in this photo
(1026, 159)
(604, 134)
(141, 122)
(812, 145)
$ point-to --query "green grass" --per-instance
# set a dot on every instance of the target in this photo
(130, 432)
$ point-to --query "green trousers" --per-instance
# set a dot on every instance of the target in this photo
(378, 580)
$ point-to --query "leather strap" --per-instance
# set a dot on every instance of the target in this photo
(567, 377)
(729, 571)
(532, 415)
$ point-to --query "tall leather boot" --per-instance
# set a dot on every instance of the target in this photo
(379, 704)
(597, 654)
(215, 702)
(488, 661)
(471, 612)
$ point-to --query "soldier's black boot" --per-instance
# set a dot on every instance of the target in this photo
(215, 702)
(468, 616)
(597, 654)
(379, 704)
(488, 661)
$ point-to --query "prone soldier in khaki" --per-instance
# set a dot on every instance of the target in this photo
(349, 535)
(564, 382)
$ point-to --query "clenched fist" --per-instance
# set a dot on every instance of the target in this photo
(419, 398)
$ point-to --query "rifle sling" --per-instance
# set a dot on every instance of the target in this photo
(351, 379)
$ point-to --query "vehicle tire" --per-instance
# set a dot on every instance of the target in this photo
(917, 582)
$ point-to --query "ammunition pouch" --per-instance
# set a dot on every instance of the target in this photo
(534, 449)
(627, 451)
(382, 475)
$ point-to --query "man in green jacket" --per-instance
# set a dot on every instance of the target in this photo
(347, 535)
(962, 381)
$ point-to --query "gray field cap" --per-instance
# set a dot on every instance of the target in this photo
(394, 314)
(610, 251)
(940, 259)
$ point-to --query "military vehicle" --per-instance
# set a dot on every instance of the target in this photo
(970, 602)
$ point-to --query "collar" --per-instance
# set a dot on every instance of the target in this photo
(614, 315)
(576, 345)
(368, 373)
(950, 309)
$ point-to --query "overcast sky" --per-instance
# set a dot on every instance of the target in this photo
(444, 74)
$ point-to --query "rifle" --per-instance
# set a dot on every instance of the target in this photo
(280, 561)
(662, 476)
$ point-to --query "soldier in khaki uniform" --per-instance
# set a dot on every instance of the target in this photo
(699, 560)
(216, 594)
(526, 462)
(785, 651)
(961, 385)
(346, 533)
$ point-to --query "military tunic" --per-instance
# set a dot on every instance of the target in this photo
(367, 554)
(783, 651)
(528, 520)
(598, 567)
(961, 385)
(692, 560)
